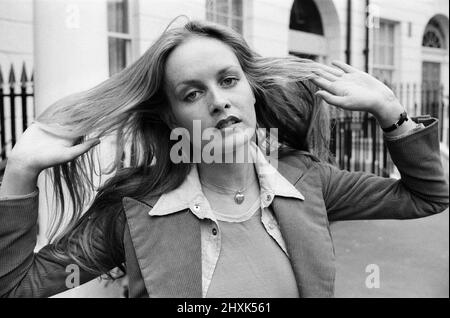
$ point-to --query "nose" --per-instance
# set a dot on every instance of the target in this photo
(218, 101)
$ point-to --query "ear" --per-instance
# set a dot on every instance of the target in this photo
(253, 97)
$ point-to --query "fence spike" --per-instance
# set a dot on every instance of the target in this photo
(12, 76)
(1, 76)
(23, 76)
(32, 76)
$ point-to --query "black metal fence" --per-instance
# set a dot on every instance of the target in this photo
(357, 143)
(16, 108)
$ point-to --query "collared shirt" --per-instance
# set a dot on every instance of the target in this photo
(189, 195)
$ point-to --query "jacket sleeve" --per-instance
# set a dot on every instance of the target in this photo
(421, 191)
(24, 273)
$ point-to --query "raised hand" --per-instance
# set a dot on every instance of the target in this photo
(351, 89)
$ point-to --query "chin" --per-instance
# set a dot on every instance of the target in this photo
(238, 142)
(228, 141)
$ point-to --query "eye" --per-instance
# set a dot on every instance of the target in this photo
(192, 96)
(229, 81)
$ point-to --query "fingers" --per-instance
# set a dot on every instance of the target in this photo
(345, 67)
(328, 76)
(78, 150)
(332, 70)
(325, 84)
(332, 99)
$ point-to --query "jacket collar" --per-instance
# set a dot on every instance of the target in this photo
(190, 193)
(168, 249)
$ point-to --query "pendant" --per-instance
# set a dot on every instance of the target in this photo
(239, 198)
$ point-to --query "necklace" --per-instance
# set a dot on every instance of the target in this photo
(239, 195)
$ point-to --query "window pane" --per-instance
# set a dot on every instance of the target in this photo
(237, 25)
(382, 55)
(209, 16)
(376, 46)
(379, 54)
(226, 12)
(210, 5)
(117, 54)
(376, 55)
(222, 19)
(382, 32)
(383, 46)
(237, 8)
(222, 7)
(118, 16)
(391, 34)
(390, 45)
(431, 39)
(390, 55)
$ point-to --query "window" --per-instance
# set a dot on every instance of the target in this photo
(119, 38)
(433, 36)
(431, 39)
(306, 17)
(226, 12)
(383, 52)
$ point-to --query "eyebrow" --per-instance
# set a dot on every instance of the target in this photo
(195, 82)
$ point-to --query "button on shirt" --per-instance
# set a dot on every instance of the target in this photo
(190, 195)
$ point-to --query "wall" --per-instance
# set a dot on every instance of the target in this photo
(16, 34)
(152, 18)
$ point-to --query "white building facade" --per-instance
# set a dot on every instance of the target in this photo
(71, 45)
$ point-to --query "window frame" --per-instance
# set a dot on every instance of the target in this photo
(437, 33)
(212, 14)
(388, 48)
(121, 36)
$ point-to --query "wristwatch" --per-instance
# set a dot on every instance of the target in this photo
(403, 118)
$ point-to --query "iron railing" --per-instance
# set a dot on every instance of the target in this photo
(16, 109)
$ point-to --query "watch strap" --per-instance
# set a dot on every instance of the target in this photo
(402, 119)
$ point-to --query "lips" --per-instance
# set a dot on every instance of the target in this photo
(230, 120)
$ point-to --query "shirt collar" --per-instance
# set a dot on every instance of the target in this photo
(190, 195)
(270, 180)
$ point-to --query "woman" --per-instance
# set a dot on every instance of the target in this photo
(202, 228)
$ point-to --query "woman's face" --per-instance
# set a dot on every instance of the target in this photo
(205, 82)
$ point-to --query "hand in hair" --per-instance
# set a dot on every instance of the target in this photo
(36, 150)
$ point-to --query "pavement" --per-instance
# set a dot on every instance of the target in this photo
(411, 257)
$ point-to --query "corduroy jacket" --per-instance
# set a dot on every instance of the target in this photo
(162, 254)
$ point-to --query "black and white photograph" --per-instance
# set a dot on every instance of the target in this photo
(245, 150)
